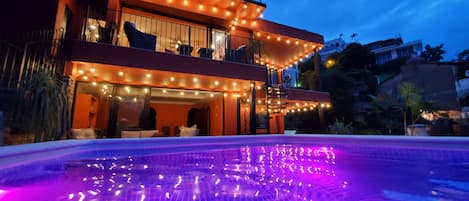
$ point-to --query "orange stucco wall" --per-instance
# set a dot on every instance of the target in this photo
(230, 116)
(172, 115)
(277, 124)
(216, 117)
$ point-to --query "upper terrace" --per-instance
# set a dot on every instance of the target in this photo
(218, 30)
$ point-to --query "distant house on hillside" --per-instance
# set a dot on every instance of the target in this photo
(390, 49)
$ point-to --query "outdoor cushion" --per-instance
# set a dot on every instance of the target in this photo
(188, 131)
(130, 134)
(149, 133)
(85, 133)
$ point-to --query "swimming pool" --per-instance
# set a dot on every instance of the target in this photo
(273, 167)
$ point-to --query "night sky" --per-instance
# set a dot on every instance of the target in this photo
(432, 21)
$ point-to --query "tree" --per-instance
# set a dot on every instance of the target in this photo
(386, 108)
(433, 54)
(411, 103)
(357, 56)
(464, 56)
(340, 86)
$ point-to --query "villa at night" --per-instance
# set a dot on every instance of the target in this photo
(145, 65)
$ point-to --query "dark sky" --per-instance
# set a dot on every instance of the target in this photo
(432, 21)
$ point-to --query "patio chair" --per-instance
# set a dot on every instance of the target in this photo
(138, 39)
(106, 34)
(238, 55)
(185, 50)
(205, 52)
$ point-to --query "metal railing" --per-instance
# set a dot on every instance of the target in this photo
(23, 53)
(171, 37)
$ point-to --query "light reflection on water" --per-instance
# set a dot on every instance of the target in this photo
(278, 172)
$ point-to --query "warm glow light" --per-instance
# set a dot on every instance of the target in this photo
(148, 75)
(258, 34)
(278, 38)
(172, 79)
(228, 13)
(121, 73)
(258, 87)
(216, 83)
(243, 21)
(245, 6)
(268, 37)
(186, 2)
(85, 77)
(259, 101)
(195, 79)
(278, 102)
(92, 27)
(170, 1)
(92, 70)
(297, 42)
(258, 10)
(211, 95)
(181, 93)
(306, 45)
(94, 83)
(253, 23)
(224, 95)
(81, 72)
(288, 41)
(196, 93)
(164, 91)
(201, 7)
(232, 3)
(145, 90)
(234, 84)
(214, 9)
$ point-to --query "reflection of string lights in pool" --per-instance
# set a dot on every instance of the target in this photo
(246, 173)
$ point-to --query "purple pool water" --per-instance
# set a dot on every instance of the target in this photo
(252, 168)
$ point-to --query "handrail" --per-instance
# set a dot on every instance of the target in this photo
(173, 37)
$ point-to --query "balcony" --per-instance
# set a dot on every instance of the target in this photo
(141, 30)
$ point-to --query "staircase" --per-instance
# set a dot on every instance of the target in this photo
(275, 94)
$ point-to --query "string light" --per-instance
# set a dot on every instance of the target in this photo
(121, 73)
(92, 70)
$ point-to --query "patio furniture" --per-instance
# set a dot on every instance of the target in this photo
(188, 131)
(106, 34)
(205, 52)
(85, 133)
(238, 55)
(139, 134)
(138, 39)
(166, 130)
(184, 49)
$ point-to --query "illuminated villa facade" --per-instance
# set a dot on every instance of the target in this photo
(161, 64)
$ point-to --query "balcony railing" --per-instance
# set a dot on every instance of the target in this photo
(151, 32)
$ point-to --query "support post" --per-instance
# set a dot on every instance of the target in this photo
(252, 117)
(238, 115)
